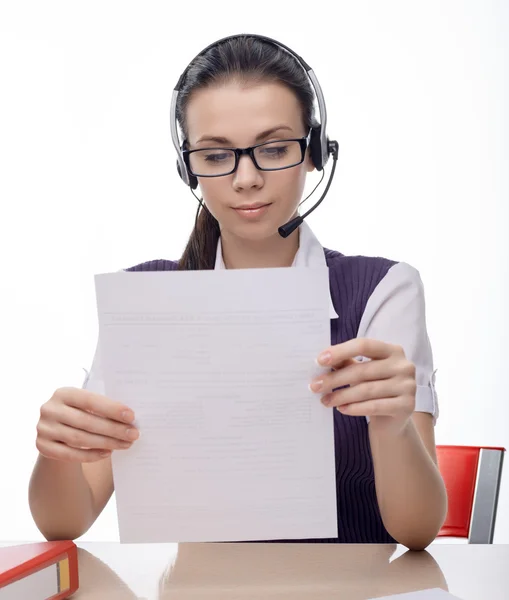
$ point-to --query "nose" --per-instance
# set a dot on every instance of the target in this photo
(247, 176)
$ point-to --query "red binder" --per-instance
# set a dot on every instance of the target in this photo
(41, 571)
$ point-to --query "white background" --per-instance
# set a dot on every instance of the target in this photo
(417, 94)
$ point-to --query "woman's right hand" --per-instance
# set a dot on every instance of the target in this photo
(76, 425)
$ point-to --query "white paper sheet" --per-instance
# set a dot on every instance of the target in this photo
(216, 366)
(431, 594)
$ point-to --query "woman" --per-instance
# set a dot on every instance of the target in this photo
(249, 93)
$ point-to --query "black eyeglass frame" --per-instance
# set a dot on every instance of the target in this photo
(303, 141)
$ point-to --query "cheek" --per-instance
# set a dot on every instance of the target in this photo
(290, 185)
(214, 191)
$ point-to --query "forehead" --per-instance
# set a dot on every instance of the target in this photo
(239, 112)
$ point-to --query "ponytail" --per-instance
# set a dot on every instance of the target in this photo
(201, 249)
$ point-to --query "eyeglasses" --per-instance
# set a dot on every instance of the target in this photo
(269, 156)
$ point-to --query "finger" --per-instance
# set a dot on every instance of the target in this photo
(59, 451)
(367, 390)
(353, 374)
(79, 419)
(76, 438)
(373, 349)
(344, 363)
(97, 404)
(388, 407)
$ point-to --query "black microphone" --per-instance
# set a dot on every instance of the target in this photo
(288, 228)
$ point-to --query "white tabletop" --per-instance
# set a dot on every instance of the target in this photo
(288, 571)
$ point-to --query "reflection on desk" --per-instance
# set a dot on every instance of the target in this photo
(284, 571)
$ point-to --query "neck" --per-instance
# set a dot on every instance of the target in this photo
(273, 252)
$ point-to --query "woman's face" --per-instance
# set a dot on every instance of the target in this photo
(238, 116)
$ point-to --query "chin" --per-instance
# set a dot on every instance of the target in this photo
(255, 231)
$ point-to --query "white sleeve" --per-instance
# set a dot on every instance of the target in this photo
(395, 313)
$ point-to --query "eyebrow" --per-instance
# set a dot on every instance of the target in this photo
(258, 138)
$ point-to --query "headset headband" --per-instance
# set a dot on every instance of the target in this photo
(319, 142)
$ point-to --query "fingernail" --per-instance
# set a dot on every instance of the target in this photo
(127, 416)
(325, 358)
(105, 453)
(132, 434)
(316, 386)
(325, 401)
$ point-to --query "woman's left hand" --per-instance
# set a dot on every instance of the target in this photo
(382, 388)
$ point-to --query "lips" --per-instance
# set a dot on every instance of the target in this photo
(253, 211)
(251, 206)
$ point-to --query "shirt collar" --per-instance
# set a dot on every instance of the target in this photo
(309, 254)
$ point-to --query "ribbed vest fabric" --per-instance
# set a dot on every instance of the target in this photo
(352, 281)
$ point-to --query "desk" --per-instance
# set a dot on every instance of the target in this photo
(287, 571)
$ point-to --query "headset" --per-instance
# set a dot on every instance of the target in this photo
(320, 146)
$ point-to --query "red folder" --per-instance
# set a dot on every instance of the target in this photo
(41, 571)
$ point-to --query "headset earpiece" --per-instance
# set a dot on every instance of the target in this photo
(193, 181)
(315, 147)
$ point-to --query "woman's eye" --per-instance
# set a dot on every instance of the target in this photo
(217, 157)
(275, 151)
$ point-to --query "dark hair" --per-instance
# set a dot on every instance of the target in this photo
(249, 60)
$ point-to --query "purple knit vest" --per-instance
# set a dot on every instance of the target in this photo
(352, 281)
